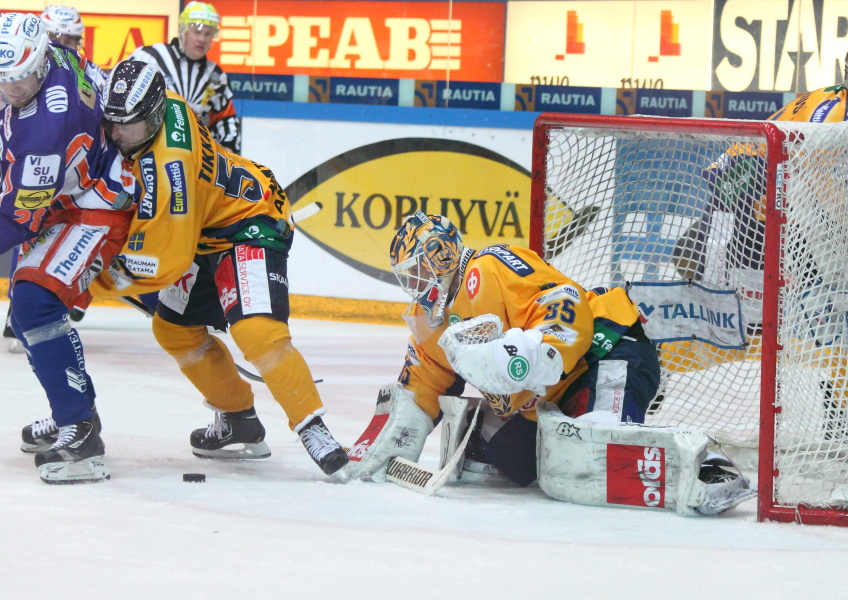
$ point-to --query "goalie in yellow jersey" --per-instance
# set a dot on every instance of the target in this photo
(212, 231)
(570, 361)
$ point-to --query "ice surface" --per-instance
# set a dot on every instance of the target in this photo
(278, 528)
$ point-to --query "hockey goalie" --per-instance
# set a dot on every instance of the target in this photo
(566, 376)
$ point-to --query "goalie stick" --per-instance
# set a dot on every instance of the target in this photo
(420, 479)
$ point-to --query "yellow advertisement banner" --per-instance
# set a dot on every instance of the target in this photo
(111, 38)
(618, 44)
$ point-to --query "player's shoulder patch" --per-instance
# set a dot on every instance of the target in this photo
(177, 126)
(503, 253)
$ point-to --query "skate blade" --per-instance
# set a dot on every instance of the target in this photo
(32, 448)
(90, 470)
(233, 452)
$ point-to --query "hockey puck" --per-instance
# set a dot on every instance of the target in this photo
(194, 477)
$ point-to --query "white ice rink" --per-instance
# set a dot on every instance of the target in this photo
(278, 528)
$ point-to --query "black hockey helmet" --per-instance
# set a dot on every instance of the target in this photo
(135, 93)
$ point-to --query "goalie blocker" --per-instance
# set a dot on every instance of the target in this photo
(588, 462)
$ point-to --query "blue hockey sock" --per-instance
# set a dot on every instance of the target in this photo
(40, 320)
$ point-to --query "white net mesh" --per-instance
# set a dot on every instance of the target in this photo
(633, 206)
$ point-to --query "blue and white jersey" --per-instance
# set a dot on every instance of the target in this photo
(54, 154)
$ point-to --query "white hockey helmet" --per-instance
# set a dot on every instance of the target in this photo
(63, 20)
(23, 47)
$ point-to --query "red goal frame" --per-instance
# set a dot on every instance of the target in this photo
(773, 138)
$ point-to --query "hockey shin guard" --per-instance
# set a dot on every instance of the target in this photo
(207, 363)
(266, 343)
(40, 319)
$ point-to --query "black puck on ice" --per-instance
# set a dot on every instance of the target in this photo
(194, 477)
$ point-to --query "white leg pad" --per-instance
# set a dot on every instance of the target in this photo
(399, 428)
(454, 425)
(625, 465)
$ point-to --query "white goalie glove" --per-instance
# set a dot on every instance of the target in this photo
(500, 364)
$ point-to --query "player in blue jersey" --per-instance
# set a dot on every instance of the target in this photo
(65, 196)
(64, 25)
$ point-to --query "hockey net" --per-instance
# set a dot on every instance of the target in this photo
(732, 237)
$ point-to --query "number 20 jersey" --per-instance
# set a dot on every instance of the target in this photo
(195, 196)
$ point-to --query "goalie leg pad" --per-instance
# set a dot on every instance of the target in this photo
(399, 428)
(633, 466)
(454, 425)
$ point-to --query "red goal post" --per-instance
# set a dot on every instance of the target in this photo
(732, 236)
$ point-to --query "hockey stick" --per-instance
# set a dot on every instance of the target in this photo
(303, 213)
(420, 479)
(136, 303)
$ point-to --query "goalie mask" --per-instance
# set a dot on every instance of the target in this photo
(23, 57)
(425, 255)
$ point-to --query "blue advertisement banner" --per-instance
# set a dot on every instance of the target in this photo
(354, 90)
(558, 98)
(262, 87)
(467, 94)
(661, 103)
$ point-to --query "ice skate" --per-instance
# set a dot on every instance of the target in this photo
(76, 457)
(726, 486)
(233, 435)
(327, 453)
(40, 435)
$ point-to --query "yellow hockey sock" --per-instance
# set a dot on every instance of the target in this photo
(207, 363)
(266, 343)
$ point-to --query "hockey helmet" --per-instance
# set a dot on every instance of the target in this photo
(201, 13)
(23, 46)
(425, 254)
(63, 20)
(135, 93)
(23, 57)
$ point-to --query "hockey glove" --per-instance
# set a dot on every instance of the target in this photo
(515, 362)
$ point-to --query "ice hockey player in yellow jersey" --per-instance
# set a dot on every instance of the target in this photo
(566, 376)
(212, 230)
(583, 350)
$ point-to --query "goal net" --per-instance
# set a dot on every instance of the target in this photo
(732, 238)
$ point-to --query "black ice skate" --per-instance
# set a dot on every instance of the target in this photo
(40, 435)
(76, 457)
(233, 435)
(324, 450)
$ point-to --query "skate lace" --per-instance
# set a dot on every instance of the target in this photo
(318, 441)
(43, 426)
(219, 427)
(66, 436)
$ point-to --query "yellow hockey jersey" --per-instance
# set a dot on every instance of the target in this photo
(826, 105)
(526, 292)
(193, 196)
